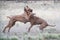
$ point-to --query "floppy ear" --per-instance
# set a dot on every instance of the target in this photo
(30, 10)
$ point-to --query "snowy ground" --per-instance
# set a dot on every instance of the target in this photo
(46, 10)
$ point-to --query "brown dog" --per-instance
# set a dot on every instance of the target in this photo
(22, 18)
(36, 20)
(13, 20)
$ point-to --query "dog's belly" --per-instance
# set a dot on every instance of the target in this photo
(20, 18)
(40, 21)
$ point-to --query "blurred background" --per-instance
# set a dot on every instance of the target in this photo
(48, 10)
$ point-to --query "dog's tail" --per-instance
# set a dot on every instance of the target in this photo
(52, 25)
(8, 17)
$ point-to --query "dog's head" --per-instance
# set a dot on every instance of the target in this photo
(30, 10)
(27, 9)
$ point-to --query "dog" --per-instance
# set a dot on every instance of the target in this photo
(22, 18)
(34, 20)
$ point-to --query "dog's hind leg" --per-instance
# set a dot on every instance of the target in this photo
(5, 29)
(10, 24)
(42, 26)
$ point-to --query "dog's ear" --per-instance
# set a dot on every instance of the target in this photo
(25, 9)
(30, 10)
